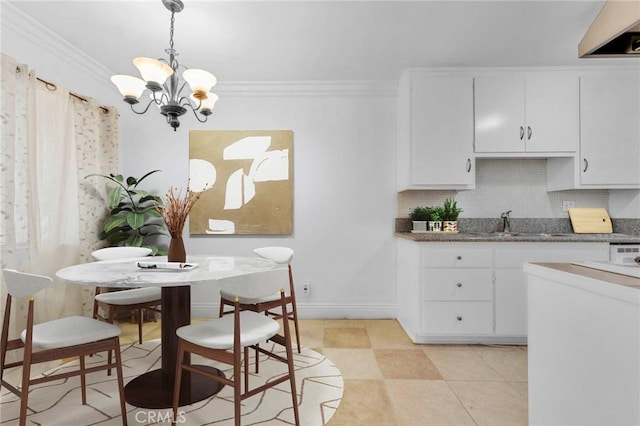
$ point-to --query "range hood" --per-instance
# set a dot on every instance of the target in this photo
(615, 32)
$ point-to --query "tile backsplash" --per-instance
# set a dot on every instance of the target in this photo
(501, 185)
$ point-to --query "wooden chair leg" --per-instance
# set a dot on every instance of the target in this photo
(237, 391)
(291, 368)
(123, 408)
(178, 382)
(246, 368)
(297, 330)
(257, 358)
(110, 316)
(83, 380)
(24, 391)
(140, 320)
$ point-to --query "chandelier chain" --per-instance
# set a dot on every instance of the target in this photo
(173, 13)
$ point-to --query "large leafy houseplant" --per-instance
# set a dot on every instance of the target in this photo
(134, 219)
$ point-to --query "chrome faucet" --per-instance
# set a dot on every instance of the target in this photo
(506, 225)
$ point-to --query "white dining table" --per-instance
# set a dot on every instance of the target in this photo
(154, 389)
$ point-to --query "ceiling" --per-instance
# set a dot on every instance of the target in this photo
(314, 40)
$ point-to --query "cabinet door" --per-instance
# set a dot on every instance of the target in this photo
(442, 130)
(511, 302)
(499, 112)
(551, 111)
(609, 130)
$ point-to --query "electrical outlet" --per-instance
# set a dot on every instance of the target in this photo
(306, 288)
(566, 205)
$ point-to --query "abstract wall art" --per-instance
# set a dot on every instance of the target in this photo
(246, 181)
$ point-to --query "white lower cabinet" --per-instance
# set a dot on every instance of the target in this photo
(467, 292)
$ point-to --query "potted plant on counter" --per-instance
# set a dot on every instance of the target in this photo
(450, 212)
(435, 222)
(420, 216)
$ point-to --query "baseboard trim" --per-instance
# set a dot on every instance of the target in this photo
(316, 311)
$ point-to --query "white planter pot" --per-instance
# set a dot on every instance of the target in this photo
(420, 225)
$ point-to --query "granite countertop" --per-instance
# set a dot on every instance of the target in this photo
(522, 237)
(522, 229)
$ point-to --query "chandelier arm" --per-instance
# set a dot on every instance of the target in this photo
(164, 97)
(195, 113)
(145, 110)
(184, 101)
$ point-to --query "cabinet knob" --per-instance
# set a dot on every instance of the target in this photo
(529, 132)
(459, 318)
(521, 132)
(468, 165)
(459, 285)
(586, 165)
(459, 257)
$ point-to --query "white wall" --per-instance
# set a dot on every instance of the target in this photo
(344, 196)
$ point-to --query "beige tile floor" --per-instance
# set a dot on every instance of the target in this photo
(390, 381)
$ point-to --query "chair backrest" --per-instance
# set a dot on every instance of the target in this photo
(280, 255)
(114, 253)
(21, 284)
(257, 284)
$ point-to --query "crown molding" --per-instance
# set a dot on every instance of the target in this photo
(315, 88)
(22, 24)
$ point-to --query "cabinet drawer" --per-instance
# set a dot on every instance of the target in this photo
(457, 284)
(456, 258)
(457, 317)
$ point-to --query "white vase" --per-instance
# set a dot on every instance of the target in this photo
(420, 226)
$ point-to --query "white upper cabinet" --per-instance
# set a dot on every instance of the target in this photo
(526, 112)
(609, 155)
(610, 128)
(435, 131)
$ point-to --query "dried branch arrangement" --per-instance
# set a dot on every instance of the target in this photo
(176, 208)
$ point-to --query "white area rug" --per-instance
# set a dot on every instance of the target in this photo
(318, 381)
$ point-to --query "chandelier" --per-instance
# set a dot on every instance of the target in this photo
(160, 77)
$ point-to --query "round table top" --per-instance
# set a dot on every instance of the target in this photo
(126, 274)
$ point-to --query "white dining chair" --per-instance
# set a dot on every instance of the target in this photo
(282, 256)
(228, 338)
(136, 299)
(57, 339)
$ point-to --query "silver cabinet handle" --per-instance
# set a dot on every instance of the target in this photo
(459, 318)
(459, 285)
(521, 132)
(586, 165)
(468, 165)
(529, 132)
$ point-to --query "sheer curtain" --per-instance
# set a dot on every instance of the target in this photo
(50, 215)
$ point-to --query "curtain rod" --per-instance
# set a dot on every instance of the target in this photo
(53, 87)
